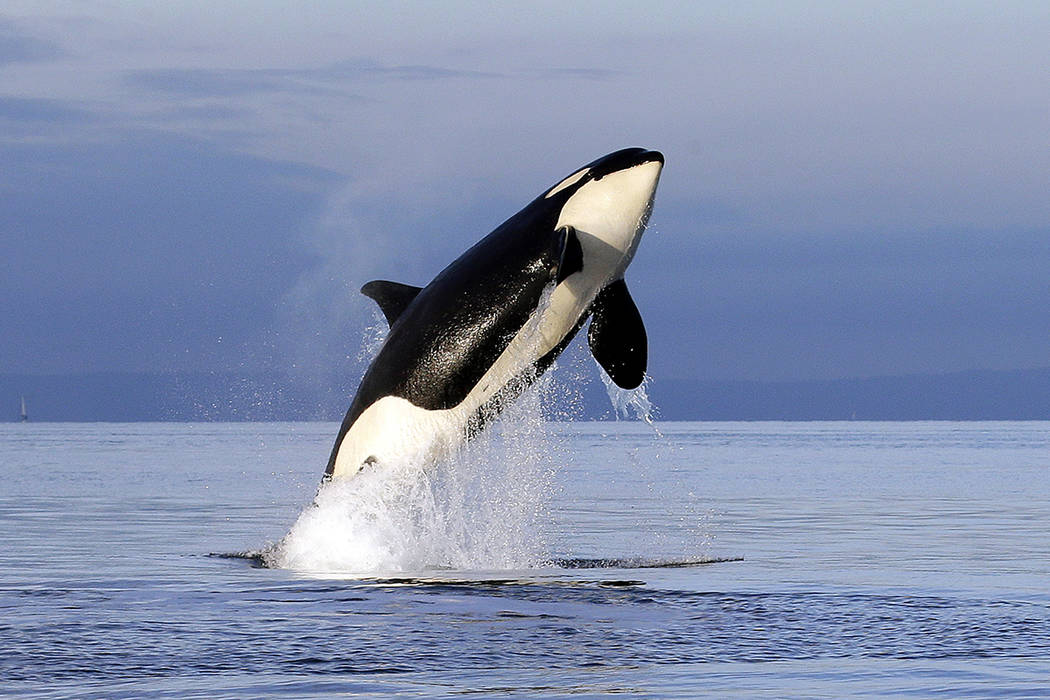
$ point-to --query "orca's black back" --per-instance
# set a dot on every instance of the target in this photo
(460, 323)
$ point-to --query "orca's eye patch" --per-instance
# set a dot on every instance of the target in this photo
(568, 182)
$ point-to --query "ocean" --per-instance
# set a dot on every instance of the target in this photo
(807, 560)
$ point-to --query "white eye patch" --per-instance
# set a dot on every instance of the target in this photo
(567, 182)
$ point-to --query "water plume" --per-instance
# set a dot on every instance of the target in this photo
(629, 401)
(486, 506)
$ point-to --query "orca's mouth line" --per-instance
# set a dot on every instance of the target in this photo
(622, 160)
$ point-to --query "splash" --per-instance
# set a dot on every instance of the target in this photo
(629, 401)
(486, 506)
(372, 338)
(444, 503)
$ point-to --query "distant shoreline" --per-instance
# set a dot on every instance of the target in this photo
(984, 395)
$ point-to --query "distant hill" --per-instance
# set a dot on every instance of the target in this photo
(977, 395)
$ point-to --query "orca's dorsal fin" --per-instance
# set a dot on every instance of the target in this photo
(570, 254)
(617, 336)
(392, 297)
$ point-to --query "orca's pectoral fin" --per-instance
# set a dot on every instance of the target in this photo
(392, 297)
(570, 253)
(617, 336)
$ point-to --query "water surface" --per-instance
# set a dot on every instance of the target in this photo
(878, 559)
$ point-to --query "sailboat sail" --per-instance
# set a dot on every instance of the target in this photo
(25, 416)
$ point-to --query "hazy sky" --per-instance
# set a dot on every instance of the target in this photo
(851, 189)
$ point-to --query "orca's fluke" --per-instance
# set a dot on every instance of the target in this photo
(392, 297)
(617, 336)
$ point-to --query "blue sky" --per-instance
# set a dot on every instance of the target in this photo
(851, 189)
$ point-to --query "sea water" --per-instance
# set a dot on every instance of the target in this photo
(591, 559)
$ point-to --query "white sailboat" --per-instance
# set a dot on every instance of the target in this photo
(25, 416)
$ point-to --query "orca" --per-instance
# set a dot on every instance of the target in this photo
(462, 347)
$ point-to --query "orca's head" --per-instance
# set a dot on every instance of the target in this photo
(610, 200)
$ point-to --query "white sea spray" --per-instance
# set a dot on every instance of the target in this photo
(484, 506)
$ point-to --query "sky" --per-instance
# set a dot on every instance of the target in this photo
(850, 190)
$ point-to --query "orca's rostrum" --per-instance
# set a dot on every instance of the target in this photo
(497, 317)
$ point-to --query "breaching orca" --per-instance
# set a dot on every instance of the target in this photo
(496, 318)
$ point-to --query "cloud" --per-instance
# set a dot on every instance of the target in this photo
(580, 73)
(204, 112)
(363, 69)
(733, 301)
(200, 82)
(33, 110)
(18, 47)
(844, 193)
(145, 251)
(228, 82)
